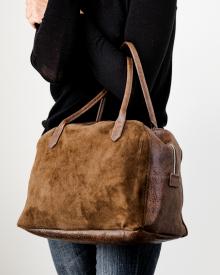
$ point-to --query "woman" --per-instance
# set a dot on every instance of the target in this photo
(79, 53)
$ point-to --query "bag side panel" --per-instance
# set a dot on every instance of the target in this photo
(164, 201)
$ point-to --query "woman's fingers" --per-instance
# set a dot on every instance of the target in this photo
(35, 10)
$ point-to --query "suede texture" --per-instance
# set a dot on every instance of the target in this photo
(88, 182)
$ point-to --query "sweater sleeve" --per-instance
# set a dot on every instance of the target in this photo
(149, 25)
(56, 40)
(106, 61)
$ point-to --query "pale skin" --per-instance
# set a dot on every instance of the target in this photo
(35, 10)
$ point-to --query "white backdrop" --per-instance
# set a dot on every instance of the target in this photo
(193, 116)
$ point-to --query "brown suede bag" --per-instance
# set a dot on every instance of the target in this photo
(107, 181)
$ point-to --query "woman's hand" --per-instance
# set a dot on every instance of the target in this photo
(35, 10)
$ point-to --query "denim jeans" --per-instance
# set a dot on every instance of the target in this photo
(104, 259)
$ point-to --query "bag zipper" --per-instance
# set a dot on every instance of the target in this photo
(174, 157)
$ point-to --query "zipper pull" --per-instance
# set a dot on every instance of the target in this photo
(175, 179)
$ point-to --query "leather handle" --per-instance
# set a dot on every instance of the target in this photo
(59, 129)
(101, 108)
(120, 121)
(142, 80)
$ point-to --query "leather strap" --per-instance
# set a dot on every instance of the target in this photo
(120, 122)
(142, 80)
(101, 108)
(59, 129)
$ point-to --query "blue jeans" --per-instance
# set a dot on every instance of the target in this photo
(103, 259)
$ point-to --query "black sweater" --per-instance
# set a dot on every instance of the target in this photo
(79, 54)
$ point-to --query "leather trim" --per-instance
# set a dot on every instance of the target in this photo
(102, 236)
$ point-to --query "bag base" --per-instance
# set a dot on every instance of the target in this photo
(102, 236)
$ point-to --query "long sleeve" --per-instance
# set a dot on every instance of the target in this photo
(106, 61)
(80, 54)
(56, 40)
(150, 25)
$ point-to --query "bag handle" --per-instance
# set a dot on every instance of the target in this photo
(59, 129)
(101, 96)
(142, 80)
(120, 122)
